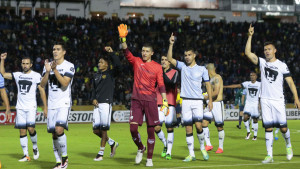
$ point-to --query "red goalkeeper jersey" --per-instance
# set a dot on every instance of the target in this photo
(146, 75)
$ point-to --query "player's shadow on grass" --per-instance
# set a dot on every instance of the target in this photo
(88, 155)
(281, 155)
(44, 164)
(15, 156)
(243, 158)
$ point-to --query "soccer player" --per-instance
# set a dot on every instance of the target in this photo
(143, 101)
(27, 81)
(239, 100)
(217, 112)
(191, 93)
(102, 96)
(170, 79)
(252, 102)
(59, 75)
(273, 73)
(4, 98)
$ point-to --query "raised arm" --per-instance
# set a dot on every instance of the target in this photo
(170, 51)
(292, 86)
(2, 67)
(253, 58)
(115, 60)
(63, 80)
(233, 86)
(46, 74)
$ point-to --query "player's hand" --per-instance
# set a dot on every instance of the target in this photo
(45, 109)
(251, 30)
(297, 104)
(205, 95)
(3, 56)
(165, 107)
(8, 115)
(53, 64)
(122, 30)
(95, 102)
(172, 39)
(210, 106)
(47, 66)
(108, 49)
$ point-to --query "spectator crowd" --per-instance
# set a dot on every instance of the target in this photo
(217, 42)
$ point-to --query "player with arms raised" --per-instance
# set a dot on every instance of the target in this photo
(217, 112)
(143, 101)
(59, 75)
(27, 81)
(191, 93)
(273, 72)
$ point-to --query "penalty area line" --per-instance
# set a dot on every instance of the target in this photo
(233, 165)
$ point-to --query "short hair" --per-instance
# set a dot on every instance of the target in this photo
(190, 49)
(147, 45)
(27, 57)
(61, 44)
(210, 65)
(269, 43)
(106, 59)
(253, 72)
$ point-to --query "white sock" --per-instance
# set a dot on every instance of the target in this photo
(170, 142)
(101, 152)
(221, 138)
(62, 141)
(162, 137)
(201, 140)
(277, 130)
(206, 136)
(269, 143)
(34, 140)
(24, 145)
(287, 138)
(190, 144)
(110, 141)
(247, 126)
(57, 154)
(255, 127)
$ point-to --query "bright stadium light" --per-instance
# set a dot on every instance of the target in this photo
(297, 2)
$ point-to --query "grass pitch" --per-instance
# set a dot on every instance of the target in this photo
(83, 146)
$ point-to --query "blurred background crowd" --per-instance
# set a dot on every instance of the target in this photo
(216, 42)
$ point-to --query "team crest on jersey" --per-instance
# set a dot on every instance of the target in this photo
(252, 92)
(103, 76)
(271, 74)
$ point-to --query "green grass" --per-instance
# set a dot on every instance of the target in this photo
(83, 146)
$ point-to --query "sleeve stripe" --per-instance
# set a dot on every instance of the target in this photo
(287, 75)
(70, 75)
(205, 80)
(1, 87)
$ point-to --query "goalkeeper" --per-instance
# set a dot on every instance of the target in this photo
(143, 100)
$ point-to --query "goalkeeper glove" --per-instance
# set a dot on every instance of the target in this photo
(165, 107)
(122, 32)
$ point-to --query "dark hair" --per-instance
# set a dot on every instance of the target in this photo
(189, 49)
(269, 43)
(27, 57)
(252, 71)
(106, 59)
(61, 44)
(147, 45)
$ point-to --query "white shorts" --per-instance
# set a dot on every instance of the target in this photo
(102, 116)
(273, 113)
(192, 111)
(217, 113)
(25, 118)
(169, 120)
(252, 110)
(57, 117)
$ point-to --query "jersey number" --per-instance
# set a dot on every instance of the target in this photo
(24, 86)
(54, 83)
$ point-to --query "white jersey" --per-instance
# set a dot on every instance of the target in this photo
(191, 80)
(27, 85)
(252, 91)
(272, 76)
(59, 96)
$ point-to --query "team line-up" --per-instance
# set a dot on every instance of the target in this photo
(154, 96)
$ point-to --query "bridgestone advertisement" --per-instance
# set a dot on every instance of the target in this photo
(124, 115)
